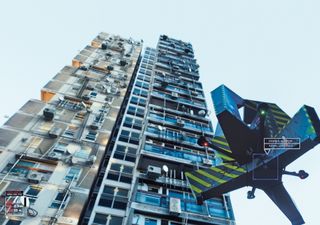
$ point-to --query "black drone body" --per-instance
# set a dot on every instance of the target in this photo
(240, 142)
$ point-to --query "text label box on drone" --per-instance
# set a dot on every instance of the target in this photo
(281, 143)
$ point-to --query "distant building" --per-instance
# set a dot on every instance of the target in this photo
(111, 139)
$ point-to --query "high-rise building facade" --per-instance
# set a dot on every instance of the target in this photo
(143, 181)
(111, 140)
(51, 150)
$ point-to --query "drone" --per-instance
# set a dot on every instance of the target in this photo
(248, 159)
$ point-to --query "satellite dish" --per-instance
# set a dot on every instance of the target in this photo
(160, 128)
(202, 112)
(165, 168)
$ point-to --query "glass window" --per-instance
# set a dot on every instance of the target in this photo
(149, 221)
(131, 137)
(114, 197)
(108, 190)
(116, 167)
(60, 198)
(100, 219)
(115, 220)
(124, 153)
(73, 173)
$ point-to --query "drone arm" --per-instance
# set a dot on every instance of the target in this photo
(279, 195)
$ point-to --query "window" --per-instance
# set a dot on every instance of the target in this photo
(125, 153)
(71, 131)
(91, 135)
(45, 126)
(32, 193)
(129, 137)
(73, 173)
(120, 173)
(114, 197)
(33, 143)
(138, 101)
(132, 110)
(144, 78)
(83, 153)
(99, 118)
(121, 168)
(142, 85)
(153, 189)
(93, 94)
(79, 116)
(140, 92)
(61, 198)
(149, 221)
(13, 222)
(148, 198)
(102, 219)
(115, 220)
(133, 123)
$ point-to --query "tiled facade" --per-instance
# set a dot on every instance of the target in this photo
(51, 149)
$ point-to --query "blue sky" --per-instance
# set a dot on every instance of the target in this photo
(266, 50)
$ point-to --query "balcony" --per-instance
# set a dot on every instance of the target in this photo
(180, 123)
(175, 97)
(179, 137)
(212, 211)
(186, 157)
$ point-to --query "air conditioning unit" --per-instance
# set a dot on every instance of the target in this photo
(153, 172)
(104, 46)
(84, 68)
(122, 85)
(123, 63)
(175, 206)
(180, 122)
(34, 177)
(194, 93)
(207, 162)
(55, 132)
(175, 95)
(91, 160)
(110, 68)
(54, 156)
(48, 114)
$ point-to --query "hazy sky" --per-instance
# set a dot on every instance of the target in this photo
(264, 50)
